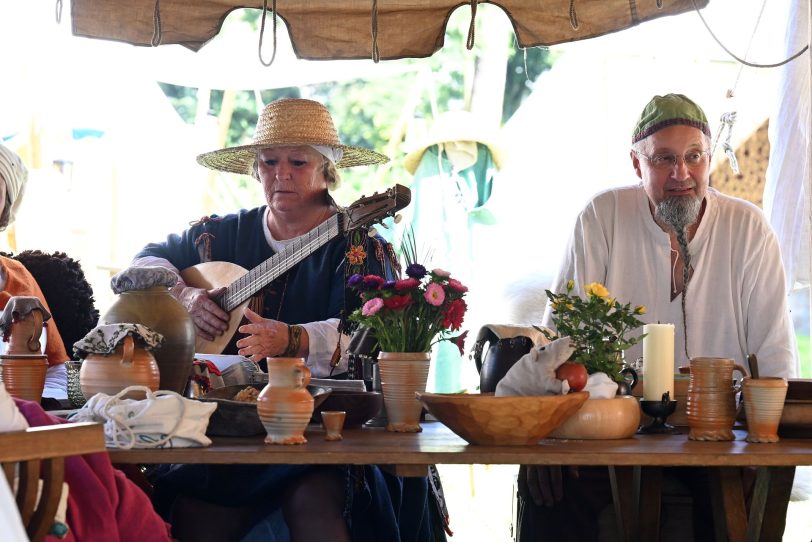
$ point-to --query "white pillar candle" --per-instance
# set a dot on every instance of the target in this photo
(658, 361)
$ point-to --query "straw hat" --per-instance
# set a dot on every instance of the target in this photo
(289, 122)
(455, 126)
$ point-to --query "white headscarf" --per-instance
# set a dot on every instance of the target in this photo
(15, 174)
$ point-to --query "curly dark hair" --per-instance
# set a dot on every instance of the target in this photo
(69, 295)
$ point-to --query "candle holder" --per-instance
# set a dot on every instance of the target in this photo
(659, 410)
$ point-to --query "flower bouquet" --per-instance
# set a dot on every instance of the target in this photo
(408, 317)
(597, 325)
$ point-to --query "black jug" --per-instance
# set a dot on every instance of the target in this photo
(500, 356)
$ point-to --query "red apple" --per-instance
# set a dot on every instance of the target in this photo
(574, 373)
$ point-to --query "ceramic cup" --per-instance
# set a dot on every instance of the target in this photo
(333, 422)
(763, 405)
(24, 376)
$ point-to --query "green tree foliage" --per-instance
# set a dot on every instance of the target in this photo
(368, 112)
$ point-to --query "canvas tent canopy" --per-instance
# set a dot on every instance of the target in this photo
(344, 29)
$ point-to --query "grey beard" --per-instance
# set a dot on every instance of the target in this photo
(678, 212)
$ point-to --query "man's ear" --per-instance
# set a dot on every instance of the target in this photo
(636, 164)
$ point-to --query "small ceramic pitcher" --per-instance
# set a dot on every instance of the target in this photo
(128, 365)
(25, 334)
(284, 405)
(24, 376)
(711, 404)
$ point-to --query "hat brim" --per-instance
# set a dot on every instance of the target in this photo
(241, 159)
(412, 160)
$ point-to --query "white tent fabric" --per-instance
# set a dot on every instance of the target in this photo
(786, 199)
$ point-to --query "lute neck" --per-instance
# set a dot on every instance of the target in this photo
(266, 272)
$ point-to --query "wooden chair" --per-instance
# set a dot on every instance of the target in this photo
(40, 453)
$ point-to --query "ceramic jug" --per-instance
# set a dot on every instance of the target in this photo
(129, 365)
(157, 309)
(25, 334)
(24, 375)
(499, 356)
(711, 403)
(284, 405)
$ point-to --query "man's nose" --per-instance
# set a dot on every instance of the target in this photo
(680, 169)
(282, 170)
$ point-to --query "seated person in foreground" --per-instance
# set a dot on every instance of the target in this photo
(294, 156)
(15, 280)
(102, 503)
(706, 262)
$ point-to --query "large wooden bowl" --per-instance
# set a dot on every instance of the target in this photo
(486, 419)
(614, 418)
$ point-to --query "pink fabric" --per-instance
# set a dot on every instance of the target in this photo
(102, 503)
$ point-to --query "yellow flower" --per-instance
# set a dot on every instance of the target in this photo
(640, 309)
(596, 289)
(570, 285)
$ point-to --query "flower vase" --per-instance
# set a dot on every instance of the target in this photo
(403, 374)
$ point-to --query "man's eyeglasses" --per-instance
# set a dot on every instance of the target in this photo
(669, 160)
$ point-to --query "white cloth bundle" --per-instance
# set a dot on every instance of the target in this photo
(163, 420)
(534, 373)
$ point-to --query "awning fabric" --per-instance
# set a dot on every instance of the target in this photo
(343, 29)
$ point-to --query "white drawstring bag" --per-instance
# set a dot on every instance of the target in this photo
(163, 420)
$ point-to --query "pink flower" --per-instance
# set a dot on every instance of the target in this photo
(435, 294)
(457, 286)
(442, 273)
(372, 306)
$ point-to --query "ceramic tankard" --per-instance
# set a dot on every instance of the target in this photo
(284, 405)
(711, 404)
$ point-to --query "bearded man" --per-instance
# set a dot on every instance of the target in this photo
(706, 262)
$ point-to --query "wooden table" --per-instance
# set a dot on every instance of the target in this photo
(635, 466)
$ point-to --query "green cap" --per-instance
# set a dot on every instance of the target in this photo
(668, 110)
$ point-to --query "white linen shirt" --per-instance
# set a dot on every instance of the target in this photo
(736, 300)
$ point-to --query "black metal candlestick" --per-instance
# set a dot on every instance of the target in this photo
(659, 410)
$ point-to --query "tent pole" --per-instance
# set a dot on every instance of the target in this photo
(809, 171)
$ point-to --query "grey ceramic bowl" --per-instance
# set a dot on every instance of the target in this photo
(240, 419)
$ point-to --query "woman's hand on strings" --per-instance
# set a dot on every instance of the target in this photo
(264, 337)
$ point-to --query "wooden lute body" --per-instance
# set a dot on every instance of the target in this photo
(242, 284)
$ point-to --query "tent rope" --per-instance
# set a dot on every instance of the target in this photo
(573, 16)
(156, 24)
(262, 33)
(376, 54)
(741, 60)
(58, 11)
(469, 44)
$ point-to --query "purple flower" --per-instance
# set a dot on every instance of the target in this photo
(388, 285)
(355, 280)
(372, 306)
(435, 295)
(416, 271)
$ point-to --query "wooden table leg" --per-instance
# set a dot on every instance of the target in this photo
(625, 488)
(651, 486)
(727, 499)
(768, 507)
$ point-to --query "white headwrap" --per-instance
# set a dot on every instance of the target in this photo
(333, 154)
(14, 172)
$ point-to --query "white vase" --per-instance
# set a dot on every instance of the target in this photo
(403, 374)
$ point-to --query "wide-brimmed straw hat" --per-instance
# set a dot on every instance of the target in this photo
(289, 122)
(455, 126)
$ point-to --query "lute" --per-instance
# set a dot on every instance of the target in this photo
(241, 284)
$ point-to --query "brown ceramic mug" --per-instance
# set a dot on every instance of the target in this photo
(711, 403)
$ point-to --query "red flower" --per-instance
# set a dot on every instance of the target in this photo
(372, 282)
(406, 284)
(452, 319)
(397, 302)
(459, 341)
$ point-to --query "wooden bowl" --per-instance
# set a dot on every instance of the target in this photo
(360, 406)
(486, 419)
(614, 418)
(240, 418)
